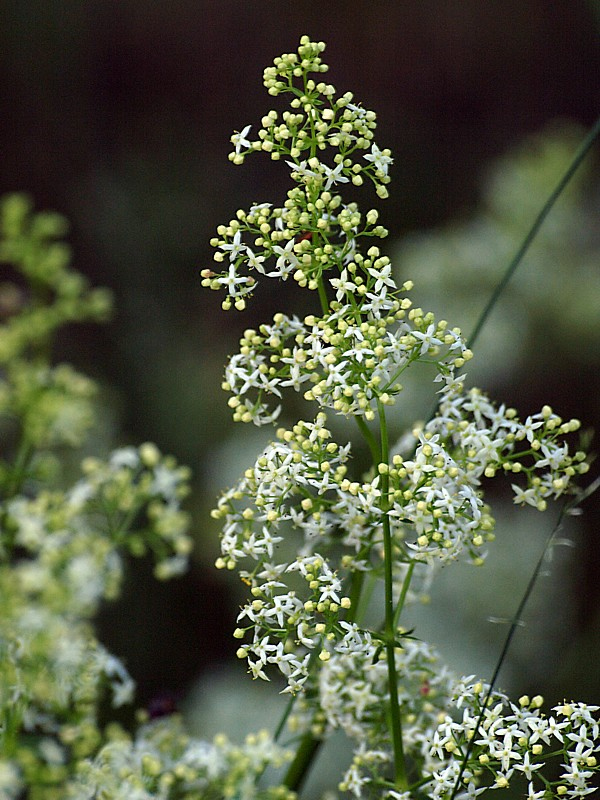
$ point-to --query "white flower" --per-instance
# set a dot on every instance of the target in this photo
(428, 339)
(239, 139)
(522, 496)
(383, 277)
(234, 282)
(527, 768)
(259, 207)
(533, 795)
(124, 457)
(343, 285)
(302, 170)
(379, 158)
(236, 247)
(254, 260)
(287, 261)
(334, 175)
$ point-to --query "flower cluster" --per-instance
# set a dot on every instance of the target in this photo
(509, 741)
(54, 295)
(62, 547)
(311, 228)
(313, 537)
(346, 361)
(53, 671)
(164, 763)
(433, 504)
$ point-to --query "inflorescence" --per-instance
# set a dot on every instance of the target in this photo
(307, 534)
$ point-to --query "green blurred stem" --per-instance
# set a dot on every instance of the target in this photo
(19, 468)
(323, 295)
(402, 600)
(520, 254)
(369, 438)
(566, 508)
(400, 779)
(305, 755)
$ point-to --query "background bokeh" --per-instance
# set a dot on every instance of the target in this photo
(118, 114)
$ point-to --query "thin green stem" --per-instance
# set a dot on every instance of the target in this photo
(357, 583)
(298, 769)
(581, 153)
(323, 295)
(309, 744)
(284, 718)
(520, 254)
(18, 471)
(400, 779)
(403, 593)
(566, 509)
(307, 749)
(369, 438)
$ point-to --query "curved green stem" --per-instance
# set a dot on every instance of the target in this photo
(520, 254)
(565, 509)
(298, 769)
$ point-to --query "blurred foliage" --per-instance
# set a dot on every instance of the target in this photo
(62, 540)
(554, 297)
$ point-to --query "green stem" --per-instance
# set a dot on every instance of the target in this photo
(369, 438)
(323, 295)
(19, 469)
(565, 509)
(357, 583)
(309, 745)
(284, 718)
(400, 779)
(298, 769)
(520, 254)
(402, 599)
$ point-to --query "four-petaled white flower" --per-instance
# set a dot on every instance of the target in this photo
(334, 175)
(429, 339)
(302, 170)
(236, 247)
(240, 141)
(379, 158)
(236, 284)
(286, 263)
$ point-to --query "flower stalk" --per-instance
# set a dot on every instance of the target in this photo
(400, 779)
(307, 534)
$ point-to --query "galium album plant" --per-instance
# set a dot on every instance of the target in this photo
(313, 540)
(332, 557)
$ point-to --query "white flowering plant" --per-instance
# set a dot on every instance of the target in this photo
(332, 554)
(314, 540)
(62, 542)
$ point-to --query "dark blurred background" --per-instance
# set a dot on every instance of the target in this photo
(118, 114)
